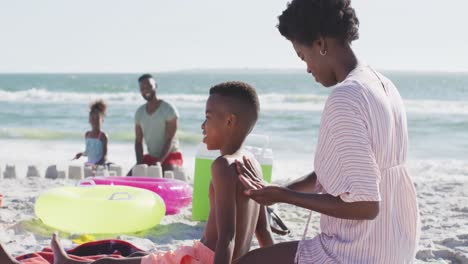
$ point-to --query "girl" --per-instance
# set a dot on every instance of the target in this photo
(96, 140)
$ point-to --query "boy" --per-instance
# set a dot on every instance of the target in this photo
(231, 113)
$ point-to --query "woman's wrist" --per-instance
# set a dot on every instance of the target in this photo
(293, 197)
(284, 194)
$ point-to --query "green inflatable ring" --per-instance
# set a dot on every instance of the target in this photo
(100, 209)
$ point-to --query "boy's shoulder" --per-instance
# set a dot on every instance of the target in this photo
(223, 170)
(225, 166)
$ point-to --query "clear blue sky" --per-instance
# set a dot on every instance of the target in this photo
(155, 35)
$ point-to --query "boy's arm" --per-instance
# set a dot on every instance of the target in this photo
(262, 230)
(224, 179)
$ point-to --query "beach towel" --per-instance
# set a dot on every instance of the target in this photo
(174, 158)
(86, 252)
(196, 254)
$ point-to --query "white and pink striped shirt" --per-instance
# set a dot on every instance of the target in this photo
(360, 156)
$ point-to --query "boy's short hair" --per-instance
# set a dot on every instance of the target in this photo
(244, 100)
(145, 76)
(98, 106)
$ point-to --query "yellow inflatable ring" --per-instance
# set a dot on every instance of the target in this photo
(100, 209)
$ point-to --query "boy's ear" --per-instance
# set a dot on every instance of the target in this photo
(232, 120)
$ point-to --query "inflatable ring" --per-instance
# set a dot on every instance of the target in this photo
(100, 209)
(176, 194)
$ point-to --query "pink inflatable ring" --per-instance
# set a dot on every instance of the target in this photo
(176, 194)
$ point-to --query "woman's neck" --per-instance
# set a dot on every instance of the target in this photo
(346, 61)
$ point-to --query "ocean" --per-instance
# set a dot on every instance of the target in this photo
(44, 117)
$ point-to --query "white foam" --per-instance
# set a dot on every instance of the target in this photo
(437, 107)
(269, 102)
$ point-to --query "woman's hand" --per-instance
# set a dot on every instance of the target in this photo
(255, 188)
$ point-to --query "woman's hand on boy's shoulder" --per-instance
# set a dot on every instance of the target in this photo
(255, 187)
(264, 194)
(251, 170)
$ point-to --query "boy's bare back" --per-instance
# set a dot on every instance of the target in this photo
(233, 216)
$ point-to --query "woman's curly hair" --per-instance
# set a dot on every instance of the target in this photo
(98, 106)
(305, 21)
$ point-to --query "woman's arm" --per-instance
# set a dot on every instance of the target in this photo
(322, 203)
(307, 183)
(331, 205)
(267, 194)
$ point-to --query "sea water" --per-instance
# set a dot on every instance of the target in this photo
(43, 117)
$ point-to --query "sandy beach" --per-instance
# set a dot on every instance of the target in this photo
(443, 203)
(48, 131)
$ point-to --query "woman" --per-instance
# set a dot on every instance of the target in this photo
(360, 185)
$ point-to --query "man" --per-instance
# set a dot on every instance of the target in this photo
(156, 123)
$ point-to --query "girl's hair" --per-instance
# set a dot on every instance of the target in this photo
(98, 106)
(305, 21)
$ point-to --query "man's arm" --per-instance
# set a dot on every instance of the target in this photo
(138, 143)
(171, 128)
(262, 230)
(224, 181)
(306, 183)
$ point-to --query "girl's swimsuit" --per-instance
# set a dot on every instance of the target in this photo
(94, 149)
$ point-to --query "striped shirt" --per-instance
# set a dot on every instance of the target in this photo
(360, 156)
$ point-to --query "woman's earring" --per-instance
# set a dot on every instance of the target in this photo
(323, 53)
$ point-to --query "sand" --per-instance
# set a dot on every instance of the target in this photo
(442, 197)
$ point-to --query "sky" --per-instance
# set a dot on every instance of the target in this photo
(156, 35)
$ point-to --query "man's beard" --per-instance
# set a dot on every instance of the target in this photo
(149, 97)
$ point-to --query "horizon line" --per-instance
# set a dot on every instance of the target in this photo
(234, 69)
